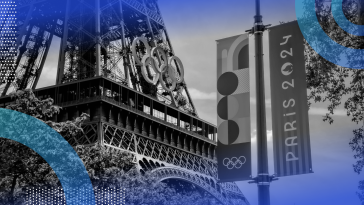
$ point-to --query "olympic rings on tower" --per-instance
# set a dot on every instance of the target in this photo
(165, 67)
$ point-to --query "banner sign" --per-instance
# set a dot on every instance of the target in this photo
(291, 137)
(233, 120)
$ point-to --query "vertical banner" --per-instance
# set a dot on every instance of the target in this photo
(233, 109)
(291, 137)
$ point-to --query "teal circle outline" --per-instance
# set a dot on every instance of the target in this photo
(342, 21)
(324, 46)
(54, 149)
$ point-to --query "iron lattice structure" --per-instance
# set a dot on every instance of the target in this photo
(97, 75)
(96, 38)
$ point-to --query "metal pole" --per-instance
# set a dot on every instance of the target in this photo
(263, 178)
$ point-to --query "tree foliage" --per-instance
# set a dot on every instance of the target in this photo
(23, 168)
(26, 102)
(333, 84)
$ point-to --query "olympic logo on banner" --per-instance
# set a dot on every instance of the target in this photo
(320, 41)
(234, 162)
(165, 66)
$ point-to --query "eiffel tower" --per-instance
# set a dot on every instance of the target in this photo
(100, 72)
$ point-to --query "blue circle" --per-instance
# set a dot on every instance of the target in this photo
(321, 42)
(54, 149)
(342, 21)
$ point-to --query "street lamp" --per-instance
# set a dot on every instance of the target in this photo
(263, 179)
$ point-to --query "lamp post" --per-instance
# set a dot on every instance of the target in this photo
(263, 179)
(263, 175)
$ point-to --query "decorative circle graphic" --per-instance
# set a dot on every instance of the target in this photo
(234, 162)
(54, 149)
(227, 83)
(320, 41)
(227, 107)
(342, 21)
(228, 132)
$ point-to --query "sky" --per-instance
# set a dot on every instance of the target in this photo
(193, 27)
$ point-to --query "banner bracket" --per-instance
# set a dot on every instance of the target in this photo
(263, 179)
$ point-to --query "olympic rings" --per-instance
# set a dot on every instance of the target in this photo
(234, 162)
(160, 71)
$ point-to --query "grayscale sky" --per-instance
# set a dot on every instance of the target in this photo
(193, 27)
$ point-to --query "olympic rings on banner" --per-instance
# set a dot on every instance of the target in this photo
(234, 162)
(166, 66)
